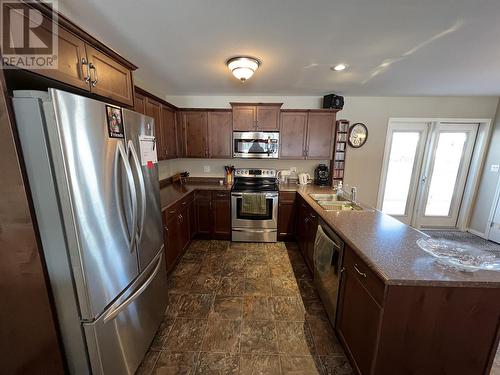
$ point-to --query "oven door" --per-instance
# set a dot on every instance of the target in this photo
(255, 145)
(268, 220)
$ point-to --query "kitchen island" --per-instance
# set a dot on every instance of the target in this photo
(400, 312)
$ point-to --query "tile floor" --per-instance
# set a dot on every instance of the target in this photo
(239, 308)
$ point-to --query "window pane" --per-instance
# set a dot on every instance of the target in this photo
(399, 173)
(444, 175)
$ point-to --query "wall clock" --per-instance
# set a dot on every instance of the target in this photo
(358, 134)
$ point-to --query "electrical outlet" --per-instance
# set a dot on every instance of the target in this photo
(293, 169)
(206, 169)
(494, 167)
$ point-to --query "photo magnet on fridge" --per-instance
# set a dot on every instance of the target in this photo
(115, 122)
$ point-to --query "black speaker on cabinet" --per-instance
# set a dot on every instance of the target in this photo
(333, 101)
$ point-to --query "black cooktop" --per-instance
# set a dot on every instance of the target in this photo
(254, 185)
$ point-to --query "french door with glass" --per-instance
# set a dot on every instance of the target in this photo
(425, 171)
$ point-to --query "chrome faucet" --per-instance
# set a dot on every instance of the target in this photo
(354, 194)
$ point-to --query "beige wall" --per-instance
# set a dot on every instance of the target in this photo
(488, 182)
(195, 166)
(363, 166)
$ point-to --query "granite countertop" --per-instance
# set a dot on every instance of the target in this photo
(174, 192)
(389, 247)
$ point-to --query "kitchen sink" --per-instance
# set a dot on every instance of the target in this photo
(331, 202)
(339, 206)
(328, 198)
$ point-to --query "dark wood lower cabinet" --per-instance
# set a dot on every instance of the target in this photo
(203, 202)
(221, 215)
(307, 225)
(358, 321)
(177, 230)
(213, 214)
(287, 215)
(415, 329)
(203, 213)
(191, 209)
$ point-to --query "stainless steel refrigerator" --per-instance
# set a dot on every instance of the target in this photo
(93, 176)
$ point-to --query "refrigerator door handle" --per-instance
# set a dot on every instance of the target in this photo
(115, 311)
(120, 153)
(142, 187)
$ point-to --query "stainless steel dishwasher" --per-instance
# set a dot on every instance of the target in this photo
(328, 254)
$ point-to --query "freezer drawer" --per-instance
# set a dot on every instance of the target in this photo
(119, 338)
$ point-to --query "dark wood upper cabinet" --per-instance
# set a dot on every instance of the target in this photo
(109, 78)
(256, 117)
(195, 129)
(153, 109)
(320, 135)
(268, 117)
(293, 129)
(140, 103)
(244, 118)
(220, 134)
(70, 69)
(83, 61)
(169, 134)
(181, 152)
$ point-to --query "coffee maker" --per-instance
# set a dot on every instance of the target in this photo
(321, 175)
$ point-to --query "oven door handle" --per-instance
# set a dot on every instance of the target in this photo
(268, 195)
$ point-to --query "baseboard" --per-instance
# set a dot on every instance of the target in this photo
(477, 233)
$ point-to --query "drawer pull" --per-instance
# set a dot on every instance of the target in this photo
(171, 212)
(184, 203)
(359, 272)
(221, 195)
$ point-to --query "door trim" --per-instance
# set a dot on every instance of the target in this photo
(496, 203)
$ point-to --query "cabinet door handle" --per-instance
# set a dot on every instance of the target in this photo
(95, 80)
(359, 272)
(87, 77)
(171, 212)
(165, 227)
(184, 203)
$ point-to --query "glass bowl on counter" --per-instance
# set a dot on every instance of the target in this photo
(459, 256)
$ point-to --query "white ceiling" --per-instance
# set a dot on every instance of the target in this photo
(393, 47)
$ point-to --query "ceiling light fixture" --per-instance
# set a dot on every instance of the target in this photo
(339, 67)
(243, 67)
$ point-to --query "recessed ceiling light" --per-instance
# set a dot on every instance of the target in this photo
(243, 67)
(339, 67)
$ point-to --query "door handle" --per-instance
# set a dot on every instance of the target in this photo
(87, 77)
(118, 309)
(142, 186)
(359, 272)
(95, 80)
(121, 153)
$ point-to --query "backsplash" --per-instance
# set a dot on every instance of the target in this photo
(196, 167)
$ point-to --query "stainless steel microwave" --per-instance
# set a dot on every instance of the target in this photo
(257, 145)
